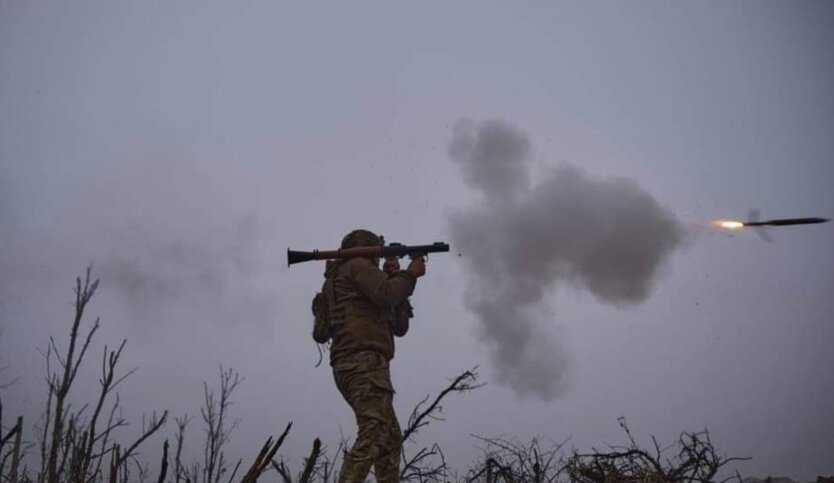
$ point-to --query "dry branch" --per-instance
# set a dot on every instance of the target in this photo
(265, 457)
(419, 466)
(282, 470)
(310, 462)
(164, 465)
(466, 381)
(153, 427)
(218, 429)
(61, 386)
(16, 450)
(181, 425)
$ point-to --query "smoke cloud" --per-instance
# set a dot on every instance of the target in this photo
(166, 244)
(215, 272)
(608, 237)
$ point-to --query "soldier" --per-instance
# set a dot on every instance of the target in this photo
(361, 308)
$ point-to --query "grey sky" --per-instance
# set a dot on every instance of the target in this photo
(183, 146)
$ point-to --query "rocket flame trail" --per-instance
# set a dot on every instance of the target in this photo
(754, 221)
(728, 224)
(760, 227)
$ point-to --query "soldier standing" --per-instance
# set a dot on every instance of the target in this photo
(361, 308)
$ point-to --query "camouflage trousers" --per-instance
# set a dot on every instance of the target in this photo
(365, 382)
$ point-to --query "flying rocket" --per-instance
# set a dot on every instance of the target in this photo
(756, 223)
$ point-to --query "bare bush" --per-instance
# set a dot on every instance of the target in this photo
(513, 461)
(215, 414)
(74, 445)
(695, 460)
(429, 463)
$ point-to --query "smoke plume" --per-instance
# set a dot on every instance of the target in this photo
(168, 247)
(608, 237)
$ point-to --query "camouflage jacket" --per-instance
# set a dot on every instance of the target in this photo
(366, 307)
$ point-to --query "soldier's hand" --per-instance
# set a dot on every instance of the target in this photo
(417, 267)
(391, 265)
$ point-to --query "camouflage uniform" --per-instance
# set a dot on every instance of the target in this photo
(366, 308)
(365, 383)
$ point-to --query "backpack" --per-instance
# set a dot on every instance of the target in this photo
(322, 303)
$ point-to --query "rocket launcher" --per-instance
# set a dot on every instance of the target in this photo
(382, 251)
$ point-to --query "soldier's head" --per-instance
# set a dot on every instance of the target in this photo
(362, 238)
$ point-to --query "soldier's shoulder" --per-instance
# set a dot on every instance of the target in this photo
(358, 264)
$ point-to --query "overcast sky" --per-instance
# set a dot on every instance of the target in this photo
(181, 147)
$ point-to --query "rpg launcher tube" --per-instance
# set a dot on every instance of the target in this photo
(384, 251)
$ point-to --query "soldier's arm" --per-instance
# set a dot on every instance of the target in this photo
(382, 289)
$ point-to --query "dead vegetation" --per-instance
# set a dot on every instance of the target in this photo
(78, 444)
(81, 445)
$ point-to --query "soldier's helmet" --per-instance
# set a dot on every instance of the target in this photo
(361, 238)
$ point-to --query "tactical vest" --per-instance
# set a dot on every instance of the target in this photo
(346, 316)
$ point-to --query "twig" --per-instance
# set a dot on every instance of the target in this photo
(282, 470)
(155, 424)
(310, 463)
(16, 450)
(265, 457)
(462, 383)
(164, 471)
